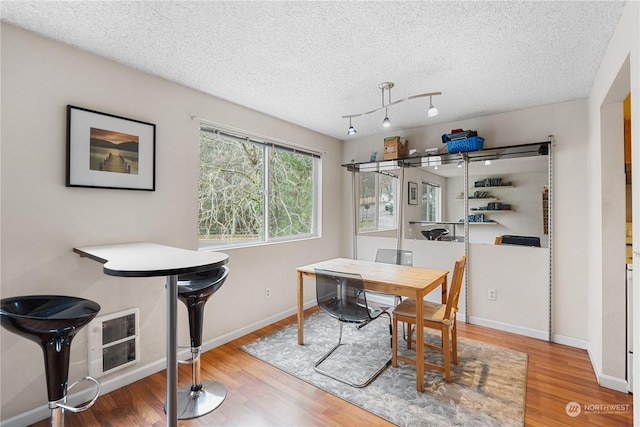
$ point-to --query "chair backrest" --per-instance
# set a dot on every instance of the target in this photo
(394, 256)
(455, 286)
(342, 295)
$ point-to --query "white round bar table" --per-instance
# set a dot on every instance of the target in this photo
(151, 260)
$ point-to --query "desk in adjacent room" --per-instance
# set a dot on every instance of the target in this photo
(151, 260)
(413, 282)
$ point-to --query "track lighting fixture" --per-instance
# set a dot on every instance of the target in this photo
(351, 130)
(386, 86)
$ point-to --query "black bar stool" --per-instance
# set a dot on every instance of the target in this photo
(435, 233)
(51, 321)
(194, 290)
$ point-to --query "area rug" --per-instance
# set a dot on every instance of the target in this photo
(487, 386)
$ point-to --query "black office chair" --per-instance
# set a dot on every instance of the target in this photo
(341, 296)
(435, 233)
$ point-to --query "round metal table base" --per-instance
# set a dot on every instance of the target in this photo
(193, 404)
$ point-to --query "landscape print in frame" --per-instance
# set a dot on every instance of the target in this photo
(108, 151)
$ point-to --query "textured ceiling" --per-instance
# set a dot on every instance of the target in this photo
(311, 62)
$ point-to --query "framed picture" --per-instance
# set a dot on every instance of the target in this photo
(107, 151)
(413, 193)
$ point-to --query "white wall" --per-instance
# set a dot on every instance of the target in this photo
(619, 75)
(567, 122)
(42, 220)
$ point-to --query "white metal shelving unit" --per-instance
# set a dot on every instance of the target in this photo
(544, 148)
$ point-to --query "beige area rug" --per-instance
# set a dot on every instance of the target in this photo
(487, 386)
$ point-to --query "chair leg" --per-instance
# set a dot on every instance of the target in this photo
(454, 342)
(398, 300)
(394, 343)
(447, 353)
(390, 331)
(409, 335)
(317, 368)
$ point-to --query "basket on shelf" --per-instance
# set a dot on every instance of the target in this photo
(460, 140)
(473, 143)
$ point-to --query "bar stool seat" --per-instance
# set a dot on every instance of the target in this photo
(435, 233)
(51, 321)
(194, 289)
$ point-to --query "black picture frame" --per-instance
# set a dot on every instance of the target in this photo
(109, 151)
(412, 196)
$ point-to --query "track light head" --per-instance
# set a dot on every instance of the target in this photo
(386, 122)
(433, 111)
(351, 130)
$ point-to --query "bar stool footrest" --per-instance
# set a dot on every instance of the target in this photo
(79, 408)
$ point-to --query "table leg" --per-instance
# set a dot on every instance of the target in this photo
(300, 310)
(172, 351)
(419, 342)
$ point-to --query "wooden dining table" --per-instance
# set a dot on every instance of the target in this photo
(407, 281)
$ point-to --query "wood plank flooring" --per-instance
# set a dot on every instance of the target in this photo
(261, 395)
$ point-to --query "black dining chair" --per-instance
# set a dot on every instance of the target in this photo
(341, 296)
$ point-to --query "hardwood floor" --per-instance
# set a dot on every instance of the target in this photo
(261, 395)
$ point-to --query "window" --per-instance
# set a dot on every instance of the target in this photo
(254, 191)
(431, 202)
(377, 210)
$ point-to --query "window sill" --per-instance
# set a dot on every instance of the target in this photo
(202, 246)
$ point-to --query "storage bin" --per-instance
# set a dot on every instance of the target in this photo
(395, 148)
(466, 144)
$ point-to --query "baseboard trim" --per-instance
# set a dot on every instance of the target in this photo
(571, 342)
(134, 374)
(614, 383)
(507, 327)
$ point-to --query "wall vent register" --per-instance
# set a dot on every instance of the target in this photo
(113, 342)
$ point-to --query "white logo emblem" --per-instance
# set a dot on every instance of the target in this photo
(573, 409)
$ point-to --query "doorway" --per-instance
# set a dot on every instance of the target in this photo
(612, 296)
(626, 108)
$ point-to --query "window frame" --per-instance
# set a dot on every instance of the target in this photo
(424, 205)
(268, 144)
(378, 205)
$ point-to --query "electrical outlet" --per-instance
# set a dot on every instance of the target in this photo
(267, 293)
(492, 295)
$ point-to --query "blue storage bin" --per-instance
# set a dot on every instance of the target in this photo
(467, 144)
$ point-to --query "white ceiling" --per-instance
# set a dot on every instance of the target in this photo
(311, 62)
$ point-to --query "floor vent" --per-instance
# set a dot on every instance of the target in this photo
(113, 342)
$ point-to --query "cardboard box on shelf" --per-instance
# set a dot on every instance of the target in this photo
(395, 148)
